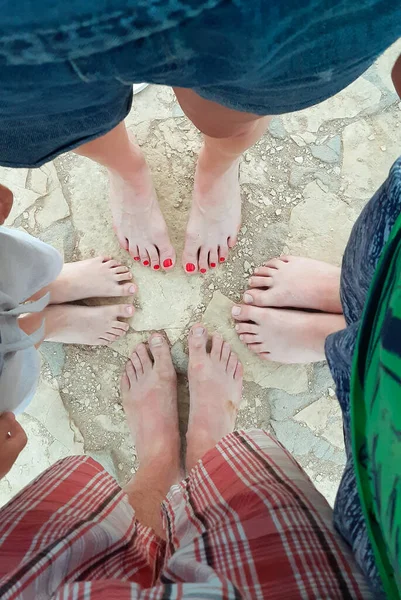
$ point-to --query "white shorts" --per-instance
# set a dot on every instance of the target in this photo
(26, 266)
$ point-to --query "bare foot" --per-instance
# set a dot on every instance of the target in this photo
(92, 325)
(138, 221)
(214, 220)
(93, 278)
(215, 387)
(283, 335)
(149, 393)
(296, 282)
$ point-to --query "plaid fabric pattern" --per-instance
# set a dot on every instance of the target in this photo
(247, 523)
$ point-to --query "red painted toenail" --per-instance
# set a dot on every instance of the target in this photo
(203, 270)
(213, 265)
(168, 263)
(222, 259)
(190, 267)
(136, 258)
(145, 263)
(156, 267)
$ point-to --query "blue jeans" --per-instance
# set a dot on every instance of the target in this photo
(67, 68)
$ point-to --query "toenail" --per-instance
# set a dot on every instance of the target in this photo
(203, 270)
(241, 337)
(213, 265)
(222, 259)
(136, 258)
(236, 311)
(145, 262)
(248, 298)
(168, 263)
(190, 267)
(129, 310)
(257, 270)
(156, 267)
(132, 289)
(198, 331)
(157, 340)
(237, 327)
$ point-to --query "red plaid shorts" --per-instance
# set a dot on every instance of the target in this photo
(246, 523)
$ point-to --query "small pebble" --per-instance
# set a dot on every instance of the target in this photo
(248, 157)
(331, 392)
(278, 211)
(383, 148)
(299, 159)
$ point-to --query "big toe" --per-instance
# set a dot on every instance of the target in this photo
(197, 341)
(160, 350)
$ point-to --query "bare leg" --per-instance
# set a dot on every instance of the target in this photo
(139, 224)
(215, 386)
(149, 392)
(216, 209)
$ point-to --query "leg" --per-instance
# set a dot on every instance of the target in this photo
(138, 222)
(149, 391)
(216, 209)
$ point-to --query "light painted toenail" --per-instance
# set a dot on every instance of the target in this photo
(198, 331)
(129, 310)
(241, 337)
(156, 341)
(237, 328)
(132, 289)
(248, 298)
(236, 311)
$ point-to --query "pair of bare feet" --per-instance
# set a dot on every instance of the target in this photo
(213, 223)
(149, 393)
(290, 308)
(76, 324)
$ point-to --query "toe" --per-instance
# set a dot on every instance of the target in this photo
(109, 336)
(125, 383)
(120, 325)
(117, 332)
(109, 262)
(223, 253)
(249, 338)
(274, 263)
(260, 282)
(136, 361)
(225, 354)
(143, 354)
(257, 348)
(203, 260)
(217, 345)
(239, 372)
(123, 276)
(127, 289)
(232, 241)
(130, 372)
(121, 239)
(143, 254)
(241, 312)
(167, 256)
(197, 341)
(160, 350)
(265, 271)
(154, 257)
(120, 269)
(232, 364)
(247, 328)
(190, 255)
(257, 297)
(213, 258)
(123, 310)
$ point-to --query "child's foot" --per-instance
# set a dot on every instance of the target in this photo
(93, 278)
(92, 325)
(138, 221)
(149, 393)
(285, 336)
(215, 388)
(296, 282)
(214, 219)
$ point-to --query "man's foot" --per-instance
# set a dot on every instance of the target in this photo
(215, 388)
(138, 221)
(296, 282)
(149, 393)
(93, 278)
(283, 335)
(214, 220)
(92, 325)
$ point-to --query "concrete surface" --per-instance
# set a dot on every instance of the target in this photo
(303, 186)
